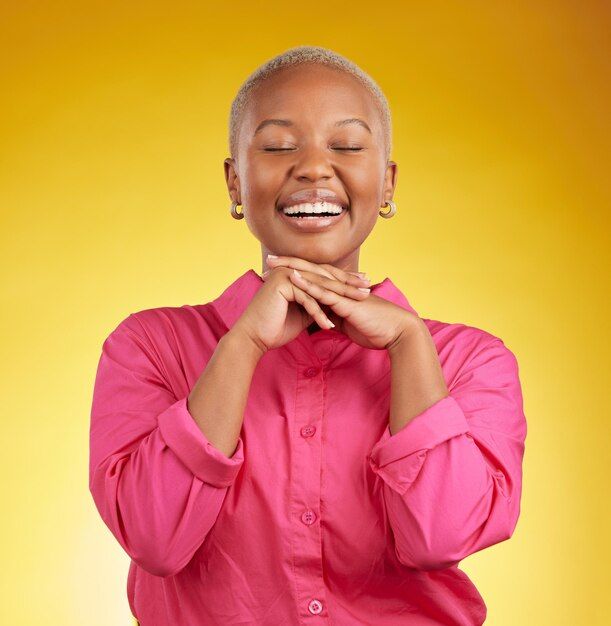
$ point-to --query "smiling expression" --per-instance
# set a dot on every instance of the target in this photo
(311, 128)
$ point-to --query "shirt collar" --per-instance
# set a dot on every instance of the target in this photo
(232, 302)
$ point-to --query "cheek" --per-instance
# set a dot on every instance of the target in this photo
(367, 220)
(366, 182)
(263, 178)
(261, 184)
(267, 178)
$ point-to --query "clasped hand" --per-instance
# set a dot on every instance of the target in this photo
(365, 318)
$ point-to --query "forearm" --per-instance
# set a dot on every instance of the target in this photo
(218, 398)
(417, 380)
(459, 453)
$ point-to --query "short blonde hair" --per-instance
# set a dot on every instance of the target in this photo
(297, 56)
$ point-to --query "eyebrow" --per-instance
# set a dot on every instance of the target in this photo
(282, 122)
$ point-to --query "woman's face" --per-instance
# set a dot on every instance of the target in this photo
(305, 148)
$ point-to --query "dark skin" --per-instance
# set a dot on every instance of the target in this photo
(312, 151)
(313, 98)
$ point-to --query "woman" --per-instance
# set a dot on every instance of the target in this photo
(305, 448)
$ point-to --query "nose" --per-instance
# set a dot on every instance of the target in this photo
(313, 163)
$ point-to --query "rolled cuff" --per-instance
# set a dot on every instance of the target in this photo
(184, 437)
(398, 458)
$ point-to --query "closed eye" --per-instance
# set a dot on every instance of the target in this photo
(283, 149)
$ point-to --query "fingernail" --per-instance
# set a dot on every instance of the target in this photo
(296, 273)
(272, 256)
(331, 324)
(363, 289)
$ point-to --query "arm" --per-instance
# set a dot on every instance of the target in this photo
(159, 474)
(452, 473)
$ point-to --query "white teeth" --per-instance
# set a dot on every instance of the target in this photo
(309, 207)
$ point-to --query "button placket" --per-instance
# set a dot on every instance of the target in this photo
(306, 464)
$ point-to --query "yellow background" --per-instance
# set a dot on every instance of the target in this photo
(114, 130)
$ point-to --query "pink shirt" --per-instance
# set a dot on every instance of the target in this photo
(320, 516)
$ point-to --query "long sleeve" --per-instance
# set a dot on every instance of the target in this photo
(452, 476)
(156, 480)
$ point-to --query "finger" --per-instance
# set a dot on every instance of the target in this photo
(354, 292)
(312, 307)
(345, 276)
(324, 269)
(267, 273)
(298, 295)
(297, 263)
(338, 287)
(340, 305)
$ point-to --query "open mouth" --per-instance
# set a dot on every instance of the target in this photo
(313, 216)
(313, 210)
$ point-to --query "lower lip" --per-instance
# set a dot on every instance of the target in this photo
(313, 224)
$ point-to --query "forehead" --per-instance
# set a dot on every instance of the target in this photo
(311, 93)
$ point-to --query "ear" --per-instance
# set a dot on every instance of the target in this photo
(390, 181)
(232, 179)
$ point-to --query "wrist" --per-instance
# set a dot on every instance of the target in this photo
(413, 329)
(249, 346)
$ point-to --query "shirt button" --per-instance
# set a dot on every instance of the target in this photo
(315, 607)
(310, 372)
(308, 431)
(308, 517)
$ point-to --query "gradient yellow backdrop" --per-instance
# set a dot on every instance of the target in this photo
(114, 130)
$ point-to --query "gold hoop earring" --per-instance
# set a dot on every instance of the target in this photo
(391, 211)
(234, 213)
